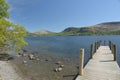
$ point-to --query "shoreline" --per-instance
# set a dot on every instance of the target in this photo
(44, 68)
(9, 72)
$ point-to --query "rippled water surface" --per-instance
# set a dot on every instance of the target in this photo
(64, 49)
(68, 46)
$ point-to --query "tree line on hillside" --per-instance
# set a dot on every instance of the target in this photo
(76, 32)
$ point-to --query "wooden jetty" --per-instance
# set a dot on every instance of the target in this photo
(101, 66)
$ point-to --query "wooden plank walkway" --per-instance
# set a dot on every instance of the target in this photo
(101, 67)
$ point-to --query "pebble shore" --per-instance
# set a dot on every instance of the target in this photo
(8, 72)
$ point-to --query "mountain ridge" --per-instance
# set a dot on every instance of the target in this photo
(106, 28)
(42, 32)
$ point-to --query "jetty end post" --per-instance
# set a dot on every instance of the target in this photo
(95, 46)
(99, 43)
(112, 49)
(104, 42)
(110, 44)
(91, 51)
(114, 52)
(81, 62)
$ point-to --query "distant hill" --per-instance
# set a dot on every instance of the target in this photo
(42, 32)
(107, 28)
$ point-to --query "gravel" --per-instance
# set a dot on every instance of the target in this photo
(9, 72)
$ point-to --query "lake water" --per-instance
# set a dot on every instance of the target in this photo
(65, 49)
(68, 46)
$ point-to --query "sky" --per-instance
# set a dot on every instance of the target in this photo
(56, 15)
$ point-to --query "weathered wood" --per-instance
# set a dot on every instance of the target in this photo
(114, 52)
(110, 44)
(91, 51)
(95, 46)
(104, 42)
(99, 43)
(101, 67)
(112, 47)
(81, 62)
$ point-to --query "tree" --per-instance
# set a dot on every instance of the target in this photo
(11, 35)
(4, 9)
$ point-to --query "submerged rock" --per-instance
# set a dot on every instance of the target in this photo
(31, 57)
(19, 53)
(24, 62)
(37, 59)
(59, 63)
(58, 69)
(18, 56)
(6, 57)
(24, 50)
(10, 58)
(24, 55)
(46, 60)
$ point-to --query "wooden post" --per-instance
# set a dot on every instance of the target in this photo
(81, 62)
(110, 45)
(112, 49)
(95, 46)
(104, 42)
(91, 51)
(114, 52)
(98, 44)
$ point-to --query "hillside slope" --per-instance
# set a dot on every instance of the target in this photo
(109, 28)
(42, 32)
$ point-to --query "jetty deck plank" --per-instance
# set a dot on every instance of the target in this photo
(101, 67)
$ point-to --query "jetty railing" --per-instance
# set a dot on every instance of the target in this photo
(104, 62)
(113, 49)
(93, 49)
